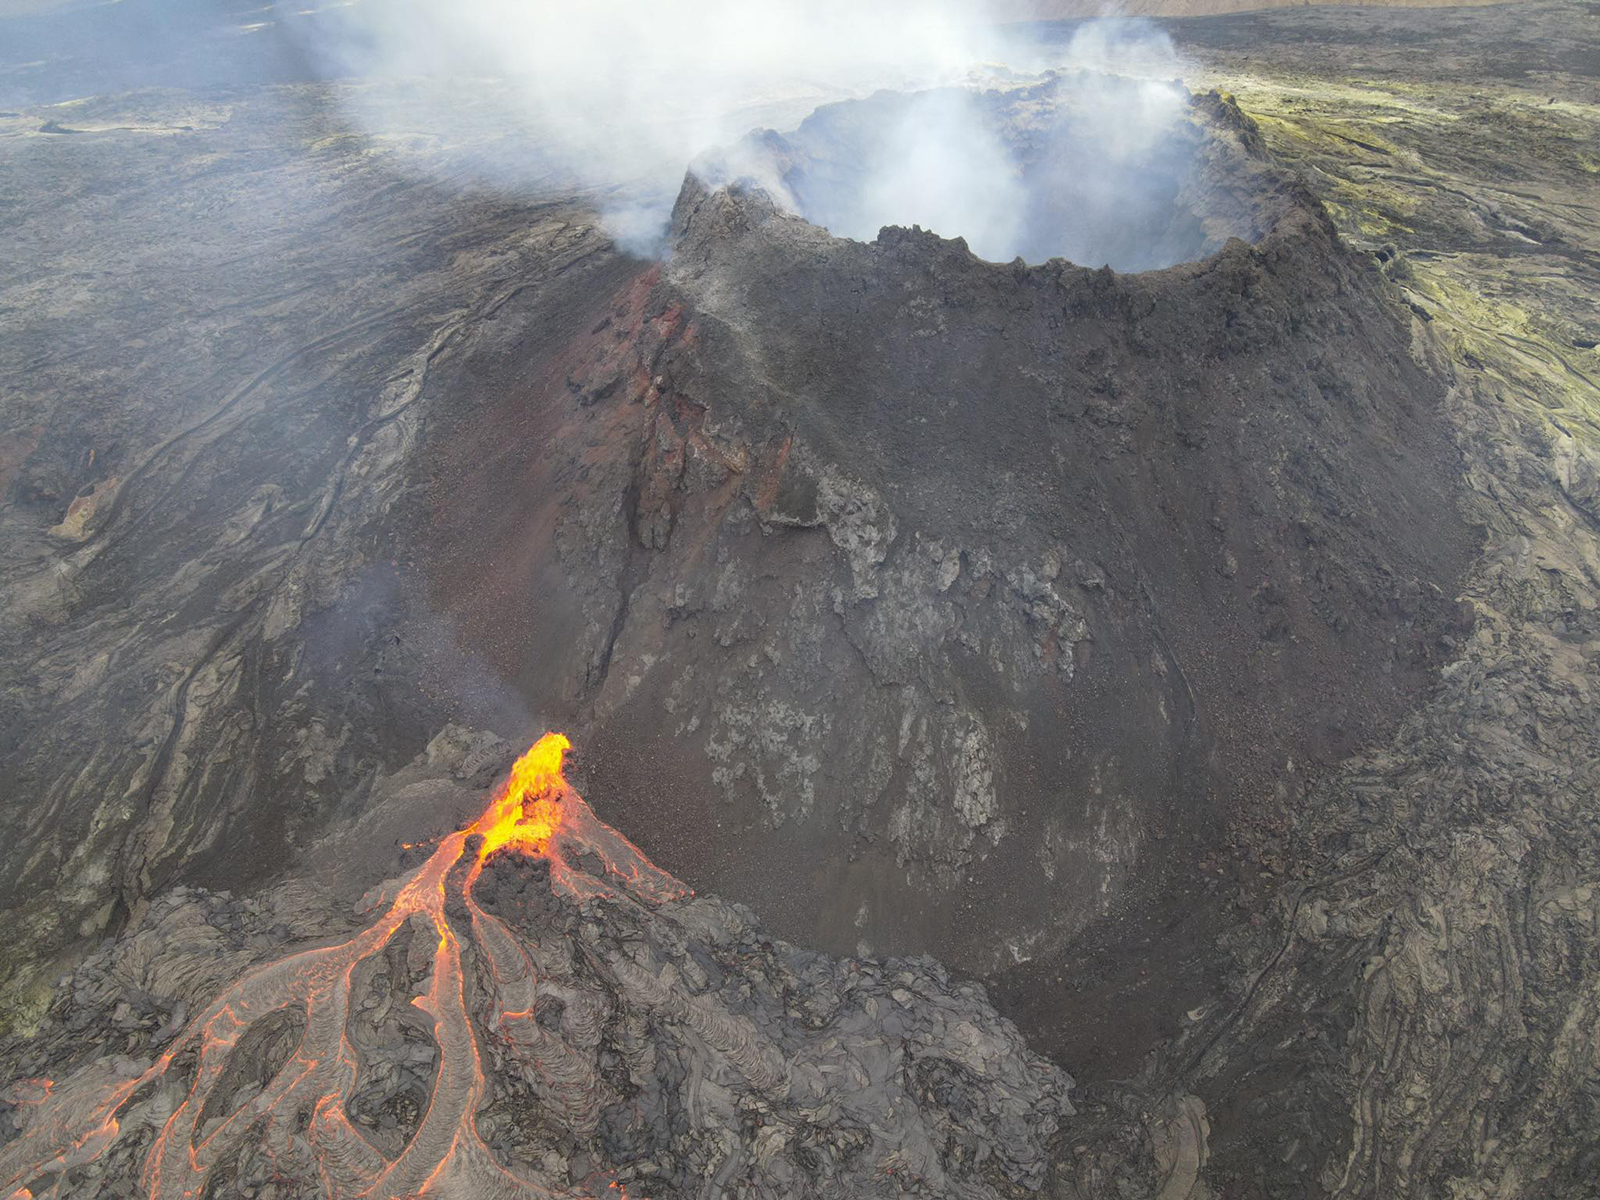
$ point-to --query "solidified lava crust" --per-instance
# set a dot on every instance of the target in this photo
(534, 813)
(572, 1027)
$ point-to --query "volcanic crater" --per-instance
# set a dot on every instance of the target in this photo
(964, 603)
(1095, 168)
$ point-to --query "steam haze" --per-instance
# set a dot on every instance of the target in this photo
(618, 92)
(620, 98)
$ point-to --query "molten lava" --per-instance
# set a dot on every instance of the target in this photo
(527, 810)
(300, 1116)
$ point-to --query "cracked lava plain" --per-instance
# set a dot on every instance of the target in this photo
(300, 1113)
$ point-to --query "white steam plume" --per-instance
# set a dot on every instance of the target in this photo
(621, 96)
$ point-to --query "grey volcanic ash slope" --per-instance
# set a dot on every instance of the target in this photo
(960, 601)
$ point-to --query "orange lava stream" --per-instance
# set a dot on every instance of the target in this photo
(535, 812)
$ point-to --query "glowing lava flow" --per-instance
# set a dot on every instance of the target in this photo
(300, 1113)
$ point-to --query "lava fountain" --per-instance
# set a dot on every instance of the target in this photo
(300, 1114)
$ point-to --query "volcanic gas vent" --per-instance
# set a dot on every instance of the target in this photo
(1099, 169)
